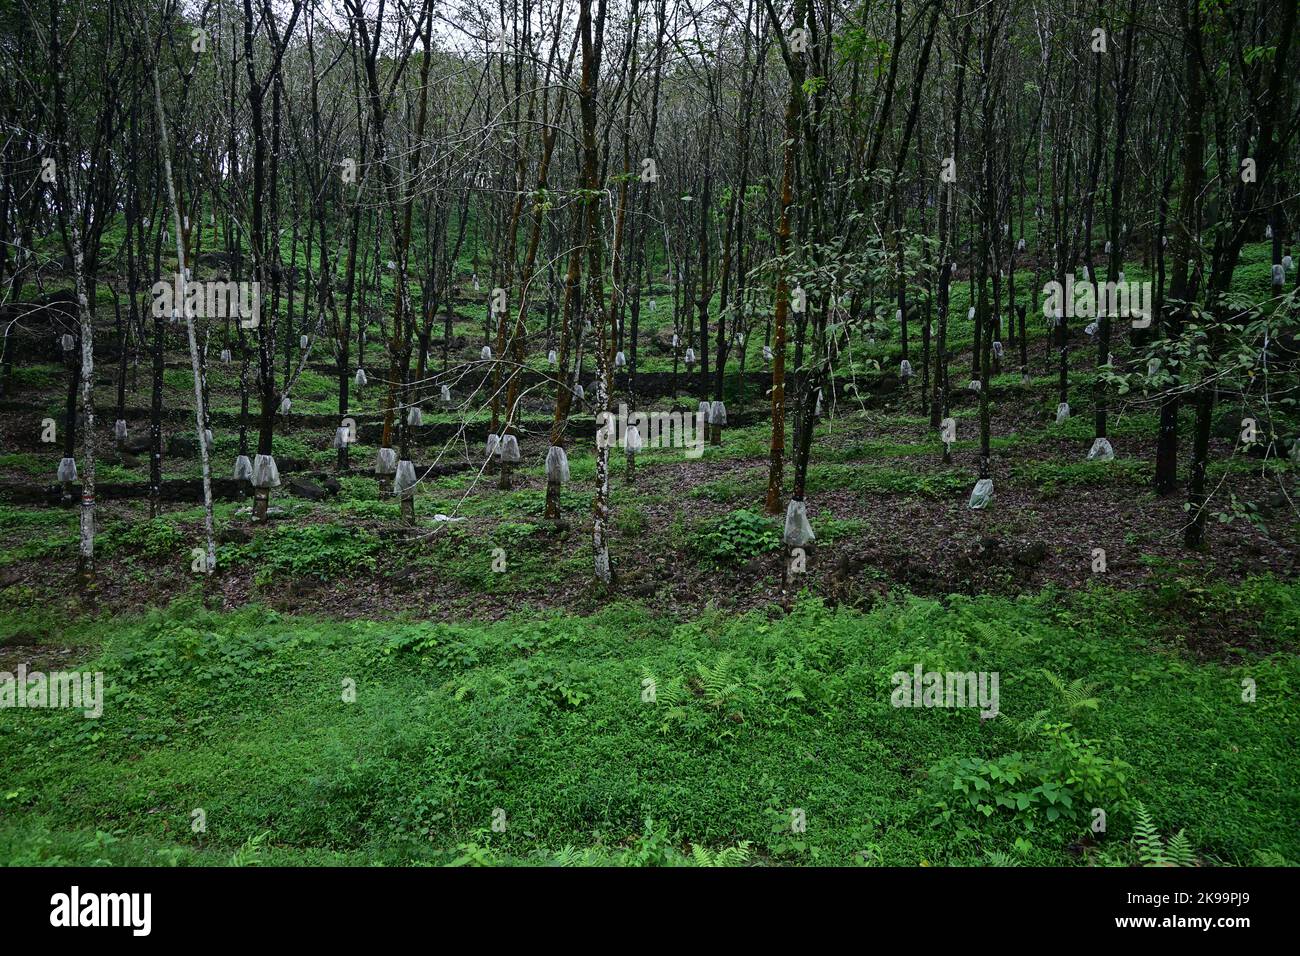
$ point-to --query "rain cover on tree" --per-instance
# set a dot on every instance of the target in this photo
(982, 494)
(798, 532)
(1101, 451)
(404, 478)
(265, 472)
(385, 461)
(557, 464)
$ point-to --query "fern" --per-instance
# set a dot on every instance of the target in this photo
(730, 856)
(1152, 849)
(716, 682)
(1180, 850)
(1271, 858)
(998, 858)
(569, 856)
(250, 854)
(1076, 695)
(670, 693)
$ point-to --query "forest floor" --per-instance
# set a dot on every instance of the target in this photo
(517, 696)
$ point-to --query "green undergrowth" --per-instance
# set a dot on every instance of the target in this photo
(634, 737)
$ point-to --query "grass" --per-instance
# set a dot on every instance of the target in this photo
(539, 721)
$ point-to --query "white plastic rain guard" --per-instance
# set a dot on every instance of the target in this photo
(493, 445)
(1090, 329)
(1101, 451)
(303, 342)
(767, 353)
(243, 469)
(265, 472)
(67, 469)
(905, 369)
(361, 379)
(798, 532)
(446, 394)
(690, 356)
(207, 438)
(551, 357)
(557, 464)
(982, 494)
(620, 360)
(225, 355)
(385, 461)
(717, 414)
(404, 479)
(69, 343)
(578, 392)
(414, 416)
(285, 405)
(997, 349)
(486, 353)
(509, 449)
(119, 429)
(706, 410)
(342, 437)
(974, 385)
(1062, 412)
(632, 439)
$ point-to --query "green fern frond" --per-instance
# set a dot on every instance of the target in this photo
(1054, 681)
(250, 854)
(1271, 858)
(730, 856)
(737, 855)
(1077, 695)
(569, 856)
(1179, 851)
(716, 682)
(668, 693)
(998, 858)
(1151, 848)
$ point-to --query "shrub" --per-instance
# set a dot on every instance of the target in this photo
(324, 551)
(737, 536)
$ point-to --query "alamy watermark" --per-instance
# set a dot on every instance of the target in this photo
(77, 690)
(655, 430)
(211, 300)
(1092, 300)
(946, 689)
